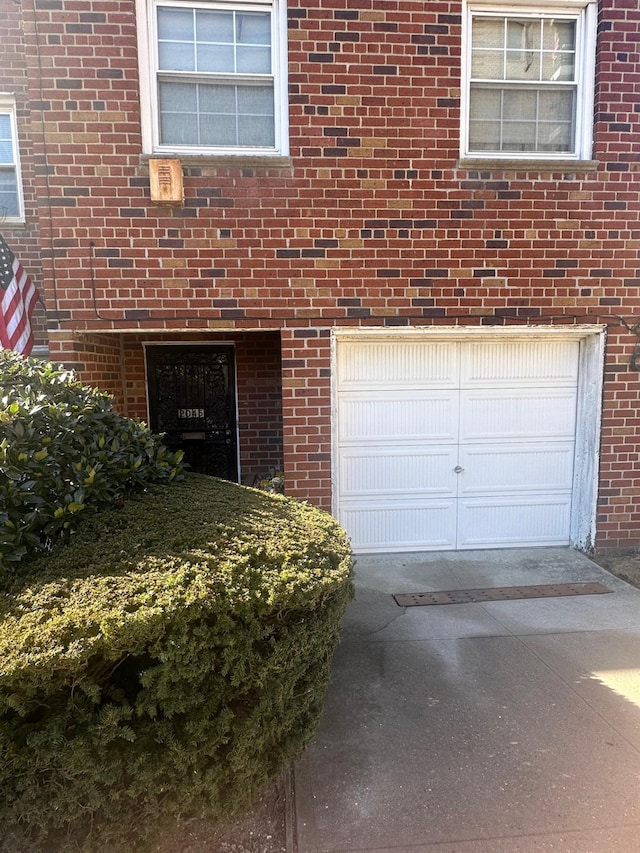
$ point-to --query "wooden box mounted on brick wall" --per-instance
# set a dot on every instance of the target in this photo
(165, 178)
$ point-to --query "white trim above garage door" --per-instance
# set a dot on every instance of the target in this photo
(458, 439)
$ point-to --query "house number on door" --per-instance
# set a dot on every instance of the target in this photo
(190, 413)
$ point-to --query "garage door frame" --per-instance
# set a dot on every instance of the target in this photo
(589, 402)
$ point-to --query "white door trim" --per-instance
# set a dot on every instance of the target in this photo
(589, 413)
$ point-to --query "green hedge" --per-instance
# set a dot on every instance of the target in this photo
(64, 452)
(171, 660)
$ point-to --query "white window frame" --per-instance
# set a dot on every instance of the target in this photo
(148, 62)
(8, 107)
(584, 12)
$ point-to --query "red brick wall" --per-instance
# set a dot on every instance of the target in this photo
(23, 240)
(259, 371)
(618, 522)
(96, 359)
(371, 222)
(306, 409)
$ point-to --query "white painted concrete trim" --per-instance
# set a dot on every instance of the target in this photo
(467, 332)
(588, 430)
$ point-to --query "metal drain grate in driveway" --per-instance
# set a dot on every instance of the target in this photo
(500, 593)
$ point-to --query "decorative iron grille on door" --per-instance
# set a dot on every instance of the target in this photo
(192, 401)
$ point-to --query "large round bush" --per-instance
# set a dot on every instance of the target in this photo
(171, 660)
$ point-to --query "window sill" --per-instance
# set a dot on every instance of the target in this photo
(527, 165)
(240, 160)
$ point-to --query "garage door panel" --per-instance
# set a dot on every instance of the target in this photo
(504, 414)
(401, 472)
(385, 364)
(466, 443)
(510, 468)
(519, 364)
(402, 526)
(490, 523)
(398, 417)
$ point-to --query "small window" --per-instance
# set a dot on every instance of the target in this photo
(529, 79)
(11, 205)
(217, 77)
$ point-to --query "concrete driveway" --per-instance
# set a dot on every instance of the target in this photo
(496, 727)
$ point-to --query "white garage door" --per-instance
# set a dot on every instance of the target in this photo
(455, 444)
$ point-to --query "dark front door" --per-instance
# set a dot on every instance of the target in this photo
(192, 400)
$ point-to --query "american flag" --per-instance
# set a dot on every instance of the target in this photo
(19, 297)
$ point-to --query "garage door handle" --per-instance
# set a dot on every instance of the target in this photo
(458, 469)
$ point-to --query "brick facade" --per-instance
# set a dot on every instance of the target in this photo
(14, 80)
(372, 221)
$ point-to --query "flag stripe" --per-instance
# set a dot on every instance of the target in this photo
(18, 301)
(22, 341)
(12, 310)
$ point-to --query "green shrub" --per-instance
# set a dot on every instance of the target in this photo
(63, 451)
(171, 660)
